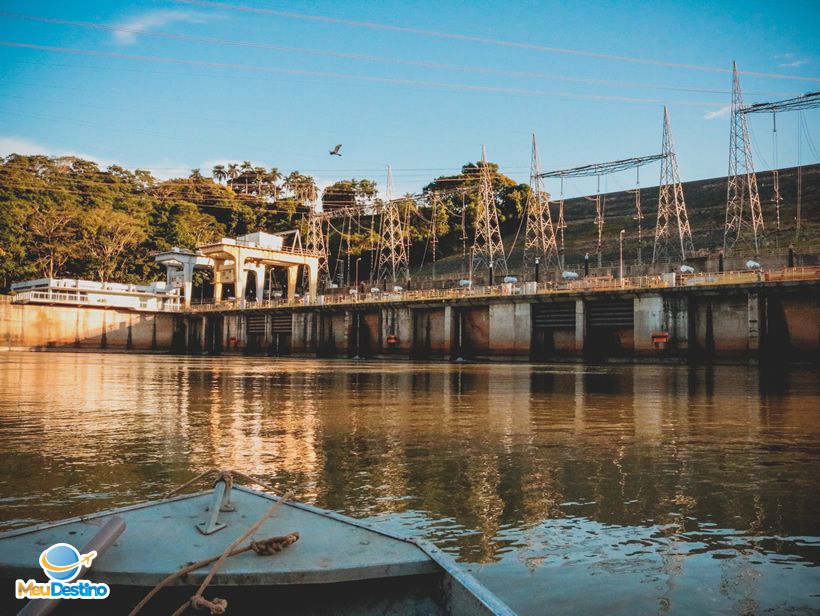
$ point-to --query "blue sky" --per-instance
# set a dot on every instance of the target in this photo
(172, 85)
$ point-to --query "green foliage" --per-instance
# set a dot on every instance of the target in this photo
(64, 217)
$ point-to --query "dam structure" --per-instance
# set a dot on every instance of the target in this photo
(739, 315)
(732, 316)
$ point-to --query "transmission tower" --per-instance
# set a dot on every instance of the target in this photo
(799, 103)
(315, 242)
(671, 205)
(393, 263)
(488, 248)
(539, 240)
(742, 188)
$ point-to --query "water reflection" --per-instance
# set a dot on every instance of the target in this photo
(674, 488)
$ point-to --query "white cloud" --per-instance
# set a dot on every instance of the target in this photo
(790, 60)
(27, 147)
(131, 28)
(163, 170)
(793, 64)
(718, 113)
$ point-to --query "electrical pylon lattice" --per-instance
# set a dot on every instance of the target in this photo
(393, 265)
(315, 242)
(488, 248)
(671, 206)
(742, 227)
(539, 240)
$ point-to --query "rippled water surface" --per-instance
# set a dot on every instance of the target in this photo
(619, 489)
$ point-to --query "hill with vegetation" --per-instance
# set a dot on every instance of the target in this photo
(66, 217)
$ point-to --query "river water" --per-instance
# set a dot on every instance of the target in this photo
(620, 489)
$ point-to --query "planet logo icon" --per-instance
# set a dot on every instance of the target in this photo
(62, 562)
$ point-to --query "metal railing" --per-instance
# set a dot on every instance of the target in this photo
(597, 284)
(294, 250)
(78, 298)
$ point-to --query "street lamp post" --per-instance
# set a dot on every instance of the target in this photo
(621, 255)
(537, 265)
(358, 260)
(491, 272)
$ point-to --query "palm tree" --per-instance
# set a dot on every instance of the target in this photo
(261, 174)
(247, 171)
(233, 173)
(275, 177)
(303, 187)
(219, 173)
(196, 175)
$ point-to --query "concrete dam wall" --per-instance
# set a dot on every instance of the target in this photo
(37, 326)
(742, 322)
(739, 322)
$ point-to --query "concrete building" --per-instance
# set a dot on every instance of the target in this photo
(232, 260)
(180, 264)
(154, 297)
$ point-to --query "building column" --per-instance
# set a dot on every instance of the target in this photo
(754, 321)
(188, 283)
(448, 332)
(313, 280)
(260, 281)
(648, 318)
(218, 265)
(580, 325)
(240, 279)
(293, 276)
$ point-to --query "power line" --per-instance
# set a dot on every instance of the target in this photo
(804, 101)
(346, 76)
(357, 57)
(479, 39)
(599, 169)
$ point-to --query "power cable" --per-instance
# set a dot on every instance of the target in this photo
(479, 39)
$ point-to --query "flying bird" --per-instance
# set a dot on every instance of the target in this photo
(335, 151)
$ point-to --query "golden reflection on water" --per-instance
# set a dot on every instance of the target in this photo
(484, 459)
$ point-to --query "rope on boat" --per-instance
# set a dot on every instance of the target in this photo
(222, 475)
(263, 547)
(260, 547)
(218, 606)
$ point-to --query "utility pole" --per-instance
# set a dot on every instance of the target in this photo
(638, 217)
(741, 193)
(671, 205)
(488, 248)
(434, 235)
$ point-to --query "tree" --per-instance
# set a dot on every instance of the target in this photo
(302, 187)
(219, 173)
(275, 176)
(261, 175)
(54, 228)
(109, 234)
(232, 172)
(348, 192)
(247, 173)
